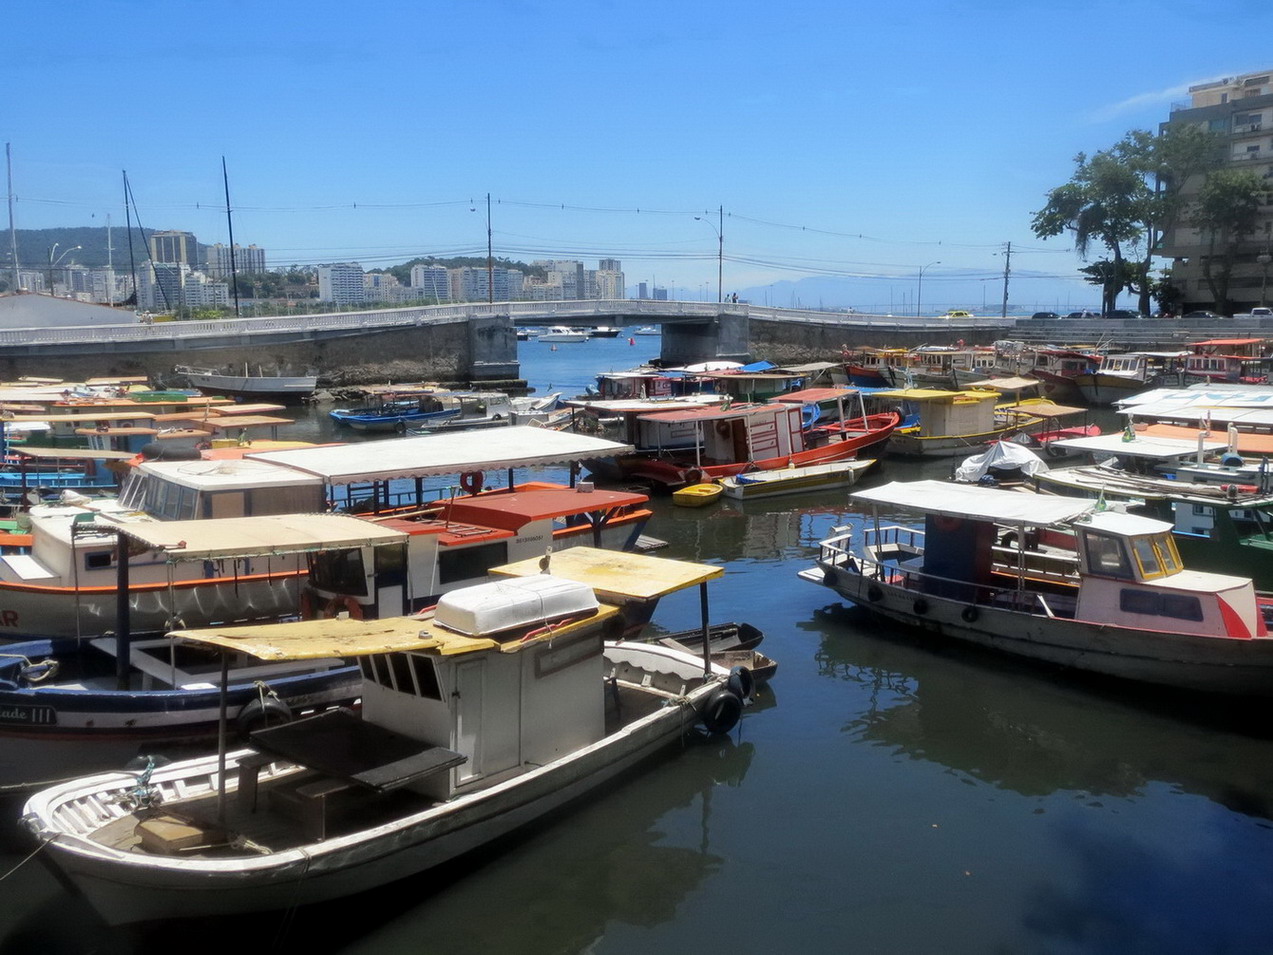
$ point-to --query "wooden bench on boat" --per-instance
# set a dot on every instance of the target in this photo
(347, 753)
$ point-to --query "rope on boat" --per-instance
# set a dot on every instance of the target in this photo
(289, 914)
(31, 855)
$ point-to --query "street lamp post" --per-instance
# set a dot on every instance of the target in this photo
(1264, 259)
(919, 290)
(720, 252)
(54, 261)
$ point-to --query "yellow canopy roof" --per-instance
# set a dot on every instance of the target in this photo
(935, 394)
(214, 538)
(616, 572)
(343, 637)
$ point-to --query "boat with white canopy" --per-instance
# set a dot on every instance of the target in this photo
(1055, 579)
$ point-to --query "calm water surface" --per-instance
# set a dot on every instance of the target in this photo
(884, 796)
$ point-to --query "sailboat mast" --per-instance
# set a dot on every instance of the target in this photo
(13, 234)
(234, 272)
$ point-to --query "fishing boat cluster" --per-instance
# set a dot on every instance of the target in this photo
(243, 671)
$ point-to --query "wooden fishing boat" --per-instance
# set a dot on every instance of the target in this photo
(679, 448)
(442, 760)
(752, 485)
(1053, 579)
(697, 495)
(290, 389)
(953, 423)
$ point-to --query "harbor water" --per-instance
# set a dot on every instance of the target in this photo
(884, 795)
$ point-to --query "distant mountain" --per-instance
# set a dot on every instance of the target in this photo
(36, 245)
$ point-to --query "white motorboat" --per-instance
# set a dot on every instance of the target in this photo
(291, 389)
(1053, 579)
(564, 333)
(499, 709)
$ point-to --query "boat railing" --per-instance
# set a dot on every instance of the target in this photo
(892, 554)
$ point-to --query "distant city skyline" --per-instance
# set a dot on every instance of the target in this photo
(850, 148)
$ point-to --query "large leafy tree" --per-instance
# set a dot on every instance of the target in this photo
(1227, 212)
(1105, 205)
(1118, 197)
(1168, 162)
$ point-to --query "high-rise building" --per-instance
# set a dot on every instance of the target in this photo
(180, 247)
(246, 259)
(433, 280)
(341, 283)
(470, 284)
(1239, 109)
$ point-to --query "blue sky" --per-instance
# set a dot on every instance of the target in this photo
(841, 139)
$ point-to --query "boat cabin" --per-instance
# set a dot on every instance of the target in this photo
(456, 543)
(244, 487)
(1131, 573)
(1228, 360)
(724, 435)
(943, 413)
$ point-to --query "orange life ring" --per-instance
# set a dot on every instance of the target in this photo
(471, 482)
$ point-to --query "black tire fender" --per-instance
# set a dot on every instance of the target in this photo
(260, 713)
(970, 614)
(741, 683)
(920, 606)
(721, 712)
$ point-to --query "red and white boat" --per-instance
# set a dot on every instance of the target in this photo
(676, 448)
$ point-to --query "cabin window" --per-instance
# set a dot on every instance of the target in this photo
(390, 558)
(402, 679)
(426, 678)
(339, 570)
(1153, 604)
(1106, 555)
(99, 560)
(1147, 557)
(470, 562)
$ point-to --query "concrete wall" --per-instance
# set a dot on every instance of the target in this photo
(482, 349)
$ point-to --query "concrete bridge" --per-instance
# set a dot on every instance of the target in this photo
(477, 342)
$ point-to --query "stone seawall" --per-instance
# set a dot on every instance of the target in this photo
(476, 350)
(800, 342)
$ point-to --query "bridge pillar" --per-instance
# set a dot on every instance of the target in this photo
(723, 338)
(492, 348)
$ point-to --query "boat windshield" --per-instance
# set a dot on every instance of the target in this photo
(1157, 556)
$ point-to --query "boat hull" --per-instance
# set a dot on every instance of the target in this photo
(55, 732)
(1221, 665)
(289, 389)
(816, 477)
(30, 611)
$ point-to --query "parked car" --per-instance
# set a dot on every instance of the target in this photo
(1083, 314)
(1261, 311)
(958, 313)
(1045, 316)
(1126, 313)
(1201, 313)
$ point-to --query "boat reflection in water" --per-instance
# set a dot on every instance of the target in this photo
(1014, 726)
(629, 858)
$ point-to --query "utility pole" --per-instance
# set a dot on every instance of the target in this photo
(490, 261)
(1007, 270)
(13, 235)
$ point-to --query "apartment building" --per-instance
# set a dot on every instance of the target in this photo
(341, 283)
(1240, 109)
